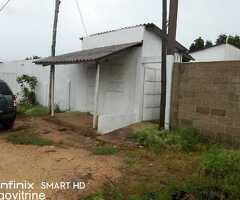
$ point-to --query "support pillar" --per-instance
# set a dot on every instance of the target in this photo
(96, 94)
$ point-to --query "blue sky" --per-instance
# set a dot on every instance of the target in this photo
(26, 25)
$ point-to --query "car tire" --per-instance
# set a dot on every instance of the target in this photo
(8, 125)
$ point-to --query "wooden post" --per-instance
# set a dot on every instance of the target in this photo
(163, 67)
(172, 27)
(52, 70)
(170, 57)
(95, 112)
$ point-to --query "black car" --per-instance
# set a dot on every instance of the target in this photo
(7, 106)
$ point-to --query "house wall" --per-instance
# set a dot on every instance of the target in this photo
(218, 53)
(232, 53)
(206, 96)
(149, 86)
(114, 38)
(117, 91)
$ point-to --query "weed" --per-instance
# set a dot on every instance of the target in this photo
(219, 178)
(188, 138)
(129, 162)
(149, 137)
(32, 110)
(112, 192)
(37, 111)
(154, 139)
(27, 138)
(57, 109)
(220, 163)
(105, 150)
(97, 196)
(22, 108)
(61, 142)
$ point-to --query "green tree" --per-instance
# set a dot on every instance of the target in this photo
(208, 44)
(233, 40)
(221, 39)
(198, 44)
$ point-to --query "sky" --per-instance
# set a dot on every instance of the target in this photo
(26, 25)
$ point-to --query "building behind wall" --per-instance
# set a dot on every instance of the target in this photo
(223, 52)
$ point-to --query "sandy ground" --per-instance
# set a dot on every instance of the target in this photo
(72, 162)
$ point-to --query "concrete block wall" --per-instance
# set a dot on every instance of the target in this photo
(206, 96)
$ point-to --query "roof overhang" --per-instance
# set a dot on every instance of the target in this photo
(89, 55)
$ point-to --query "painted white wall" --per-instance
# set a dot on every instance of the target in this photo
(69, 82)
(122, 36)
(224, 52)
(10, 70)
(232, 52)
(117, 91)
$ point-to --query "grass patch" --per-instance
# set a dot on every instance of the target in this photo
(220, 163)
(28, 138)
(196, 172)
(129, 162)
(37, 111)
(22, 108)
(112, 192)
(154, 139)
(32, 110)
(218, 178)
(105, 150)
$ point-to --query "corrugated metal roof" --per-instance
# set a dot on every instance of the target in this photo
(86, 55)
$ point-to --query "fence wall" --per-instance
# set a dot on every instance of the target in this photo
(206, 96)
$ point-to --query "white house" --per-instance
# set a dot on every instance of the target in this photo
(223, 52)
(116, 76)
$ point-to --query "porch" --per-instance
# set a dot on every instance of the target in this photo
(106, 86)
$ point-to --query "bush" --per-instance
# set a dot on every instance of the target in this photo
(197, 189)
(37, 111)
(28, 85)
(219, 178)
(219, 163)
(27, 138)
(154, 139)
(188, 138)
(105, 150)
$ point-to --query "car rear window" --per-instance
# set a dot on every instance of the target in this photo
(4, 89)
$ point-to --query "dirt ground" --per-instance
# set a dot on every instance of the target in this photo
(70, 161)
(72, 158)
